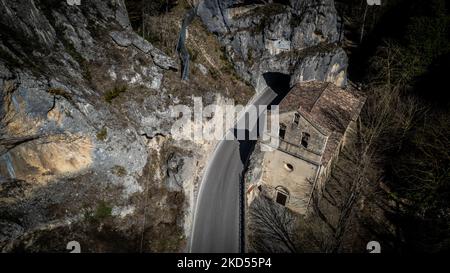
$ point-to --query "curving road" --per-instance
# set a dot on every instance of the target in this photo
(216, 225)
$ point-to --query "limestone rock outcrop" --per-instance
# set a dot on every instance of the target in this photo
(74, 162)
(296, 37)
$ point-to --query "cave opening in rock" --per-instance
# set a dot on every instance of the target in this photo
(279, 83)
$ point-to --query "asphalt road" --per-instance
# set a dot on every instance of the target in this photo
(216, 225)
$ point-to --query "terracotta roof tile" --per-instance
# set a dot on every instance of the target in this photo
(329, 107)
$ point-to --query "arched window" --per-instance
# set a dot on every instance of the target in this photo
(282, 131)
(305, 139)
(282, 195)
(296, 118)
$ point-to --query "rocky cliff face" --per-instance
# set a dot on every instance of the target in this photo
(296, 37)
(86, 151)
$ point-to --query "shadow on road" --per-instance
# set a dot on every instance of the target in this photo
(280, 84)
(216, 207)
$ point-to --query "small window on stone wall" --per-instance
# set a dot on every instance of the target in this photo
(305, 139)
(296, 118)
(282, 195)
(282, 131)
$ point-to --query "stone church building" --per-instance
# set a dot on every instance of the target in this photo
(315, 119)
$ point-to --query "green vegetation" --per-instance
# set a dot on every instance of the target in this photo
(102, 134)
(223, 55)
(68, 114)
(423, 168)
(114, 93)
(227, 65)
(120, 171)
(138, 8)
(250, 58)
(193, 53)
(427, 35)
(423, 42)
(266, 12)
(201, 44)
(103, 211)
(259, 28)
(152, 37)
(84, 64)
(214, 74)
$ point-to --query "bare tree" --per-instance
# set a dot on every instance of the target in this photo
(363, 24)
(424, 170)
(392, 66)
(272, 227)
(382, 126)
(7, 116)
